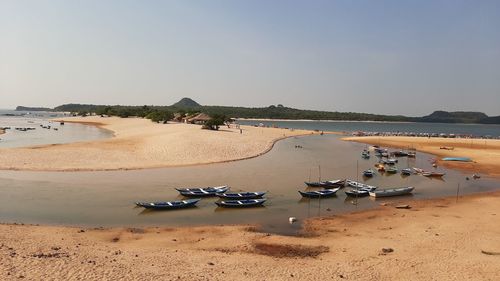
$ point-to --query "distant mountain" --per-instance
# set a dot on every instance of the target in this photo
(25, 108)
(453, 117)
(186, 103)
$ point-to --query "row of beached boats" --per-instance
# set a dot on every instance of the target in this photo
(357, 189)
(228, 200)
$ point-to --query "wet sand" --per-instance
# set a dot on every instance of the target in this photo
(436, 239)
(139, 143)
(484, 153)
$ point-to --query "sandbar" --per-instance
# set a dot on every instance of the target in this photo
(139, 143)
(485, 153)
(438, 239)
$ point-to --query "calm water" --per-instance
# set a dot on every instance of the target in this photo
(473, 129)
(106, 198)
(65, 133)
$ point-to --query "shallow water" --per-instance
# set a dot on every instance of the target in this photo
(106, 198)
(67, 133)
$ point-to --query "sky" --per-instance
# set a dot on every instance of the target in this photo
(387, 57)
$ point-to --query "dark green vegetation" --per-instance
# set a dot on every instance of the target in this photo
(188, 106)
(25, 108)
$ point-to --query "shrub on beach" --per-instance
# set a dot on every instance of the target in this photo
(160, 116)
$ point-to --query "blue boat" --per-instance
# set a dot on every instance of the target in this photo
(369, 173)
(169, 205)
(242, 195)
(211, 188)
(319, 193)
(203, 193)
(460, 159)
(241, 203)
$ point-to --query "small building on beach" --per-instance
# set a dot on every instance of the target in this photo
(199, 119)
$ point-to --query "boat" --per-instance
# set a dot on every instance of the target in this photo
(359, 185)
(208, 189)
(369, 173)
(433, 174)
(391, 192)
(242, 195)
(203, 192)
(400, 153)
(241, 203)
(460, 159)
(406, 171)
(391, 161)
(357, 193)
(365, 155)
(418, 170)
(326, 184)
(319, 193)
(392, 170)
(169, 205)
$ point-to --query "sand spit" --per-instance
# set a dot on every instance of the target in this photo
(484, 153)
(139, 143)
(437, 239)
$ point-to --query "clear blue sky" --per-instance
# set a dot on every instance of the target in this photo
(391, 57)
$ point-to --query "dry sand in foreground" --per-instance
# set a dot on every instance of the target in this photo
(435, 240)
(484, 153)
(140, 143)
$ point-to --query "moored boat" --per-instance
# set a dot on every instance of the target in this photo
(326, 184)
(357, 193)
(433, 174)
(208, 189)
(359, 185)
(368, 173)
(406, 171)
(391, 192)
(392, 170)
(168, 205)
(203, 192)
(319, 193)
(241, 195)
(241, 203)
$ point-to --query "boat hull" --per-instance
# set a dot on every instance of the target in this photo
(391, 192)
(241, 203)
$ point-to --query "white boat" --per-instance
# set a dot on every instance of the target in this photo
(361, 186)
(392, 192)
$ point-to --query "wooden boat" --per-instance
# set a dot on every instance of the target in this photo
(400, 153)
(319, 193)
(391, 192)
(326, 184)
(418, 170)
(241, 203)
(433, 174)
(203, 192)
(392, 170)
(241, 195)
(406, 171)
(169, 205)
(359, 185)
(369, 173)
(365, 156)
(357, 193)
(208, 189)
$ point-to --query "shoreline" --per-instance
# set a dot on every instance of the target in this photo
(141, 144)
(485, 154)
(354, 242)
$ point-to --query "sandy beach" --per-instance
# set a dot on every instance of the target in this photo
(484, 153)
(436, 239)
(139, 143)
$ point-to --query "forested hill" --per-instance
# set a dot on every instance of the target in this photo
(187, 105)
(26, 108)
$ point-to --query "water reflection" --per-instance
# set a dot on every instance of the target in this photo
(107, 198)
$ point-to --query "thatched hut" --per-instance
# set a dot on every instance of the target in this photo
(199, 119)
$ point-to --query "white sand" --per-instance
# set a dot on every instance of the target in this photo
(140, 143)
